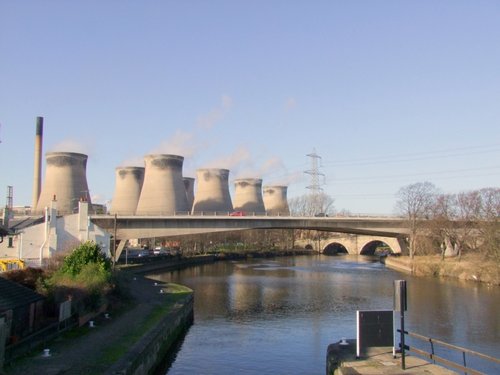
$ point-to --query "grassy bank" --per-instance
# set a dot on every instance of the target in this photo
(174, 294)
(469, 267)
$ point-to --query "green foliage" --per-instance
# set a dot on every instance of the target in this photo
(87, 253)
(84, 277)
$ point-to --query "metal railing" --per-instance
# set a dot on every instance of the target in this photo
(38, 338)
(437, 359)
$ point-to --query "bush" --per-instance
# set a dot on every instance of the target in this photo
(87, 253)
(84, 277)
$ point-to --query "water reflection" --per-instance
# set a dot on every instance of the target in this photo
(278, 316)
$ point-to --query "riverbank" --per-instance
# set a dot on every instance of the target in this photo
(469, 268)
(133, 341)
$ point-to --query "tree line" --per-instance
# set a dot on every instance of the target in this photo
(451, 224)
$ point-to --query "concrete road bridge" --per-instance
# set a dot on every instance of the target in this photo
(369, 230)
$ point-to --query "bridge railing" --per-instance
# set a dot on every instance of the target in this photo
(250, 214)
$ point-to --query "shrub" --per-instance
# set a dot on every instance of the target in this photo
(84, 276)
(86, 253)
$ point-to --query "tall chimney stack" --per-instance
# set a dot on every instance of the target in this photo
(38, 162)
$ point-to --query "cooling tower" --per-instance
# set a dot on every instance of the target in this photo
(66, 180)
(189, 186)
(163, 191)
(248, 196)
(128, 185)
(38, 162)
(275, 200)
(212, 191)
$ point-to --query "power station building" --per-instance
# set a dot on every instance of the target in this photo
(212, 192)
(65, 180)
(128, 186)
(275, 200)
(61, 204)
(163, 191)
(248, 196)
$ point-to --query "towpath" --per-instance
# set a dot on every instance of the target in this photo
(84, 354)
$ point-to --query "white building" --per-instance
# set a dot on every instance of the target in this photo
(37, 243)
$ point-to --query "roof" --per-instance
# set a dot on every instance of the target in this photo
(13, 295)
(16, 225)
(3, 231)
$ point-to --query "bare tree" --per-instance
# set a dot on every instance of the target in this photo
(311, 205)
(489, 226)
(441, 226)
(455, 217)
(415, 202)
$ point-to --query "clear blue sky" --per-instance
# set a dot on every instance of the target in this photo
(387, 92)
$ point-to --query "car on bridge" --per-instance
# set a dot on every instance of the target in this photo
(237, 213)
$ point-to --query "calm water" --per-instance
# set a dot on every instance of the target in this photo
(278, 316)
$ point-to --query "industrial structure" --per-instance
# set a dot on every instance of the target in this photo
(128, 186)
(212, 191)
(189, 186)
(248, 196)
(163, 191)
(275, 200)
(37, 169)
(66, 180)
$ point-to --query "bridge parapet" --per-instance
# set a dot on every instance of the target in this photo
(163, 226)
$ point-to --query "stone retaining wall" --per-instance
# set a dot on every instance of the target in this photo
(146, 354)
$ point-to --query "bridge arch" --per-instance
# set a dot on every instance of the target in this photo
(335, 248)
(374, 247)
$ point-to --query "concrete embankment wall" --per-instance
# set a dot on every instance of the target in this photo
(146, 354)
(398, 264)
(469, 269)
(170, 265)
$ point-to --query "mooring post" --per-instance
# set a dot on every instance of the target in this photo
(400, 304)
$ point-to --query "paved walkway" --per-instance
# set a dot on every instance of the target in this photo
(379, 361)
(82, 355)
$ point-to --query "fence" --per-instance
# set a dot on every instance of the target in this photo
(40, 337)
(449, 363)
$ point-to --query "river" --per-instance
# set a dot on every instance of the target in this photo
(278, 316)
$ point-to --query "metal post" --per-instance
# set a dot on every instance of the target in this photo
(403, 365)
(400, 304)
(114, 243)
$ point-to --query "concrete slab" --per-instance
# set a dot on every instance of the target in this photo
(341, 360)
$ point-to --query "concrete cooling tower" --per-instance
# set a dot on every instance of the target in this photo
(212, 191)
(248, 196)
(275, 200)
(163, 191)
(66, 179)
(128, 185)
(189, 186)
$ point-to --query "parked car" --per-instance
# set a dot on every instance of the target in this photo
(133, 254)
(164, 251)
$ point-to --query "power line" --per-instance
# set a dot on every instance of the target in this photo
(416, 156)
(399, 176)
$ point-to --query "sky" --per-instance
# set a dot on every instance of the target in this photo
(386, 93)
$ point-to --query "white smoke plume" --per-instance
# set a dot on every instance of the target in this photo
(181, 143)
(240, 158)
(70, 145)
(290, 104)
(215, 115)
(135, 161)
